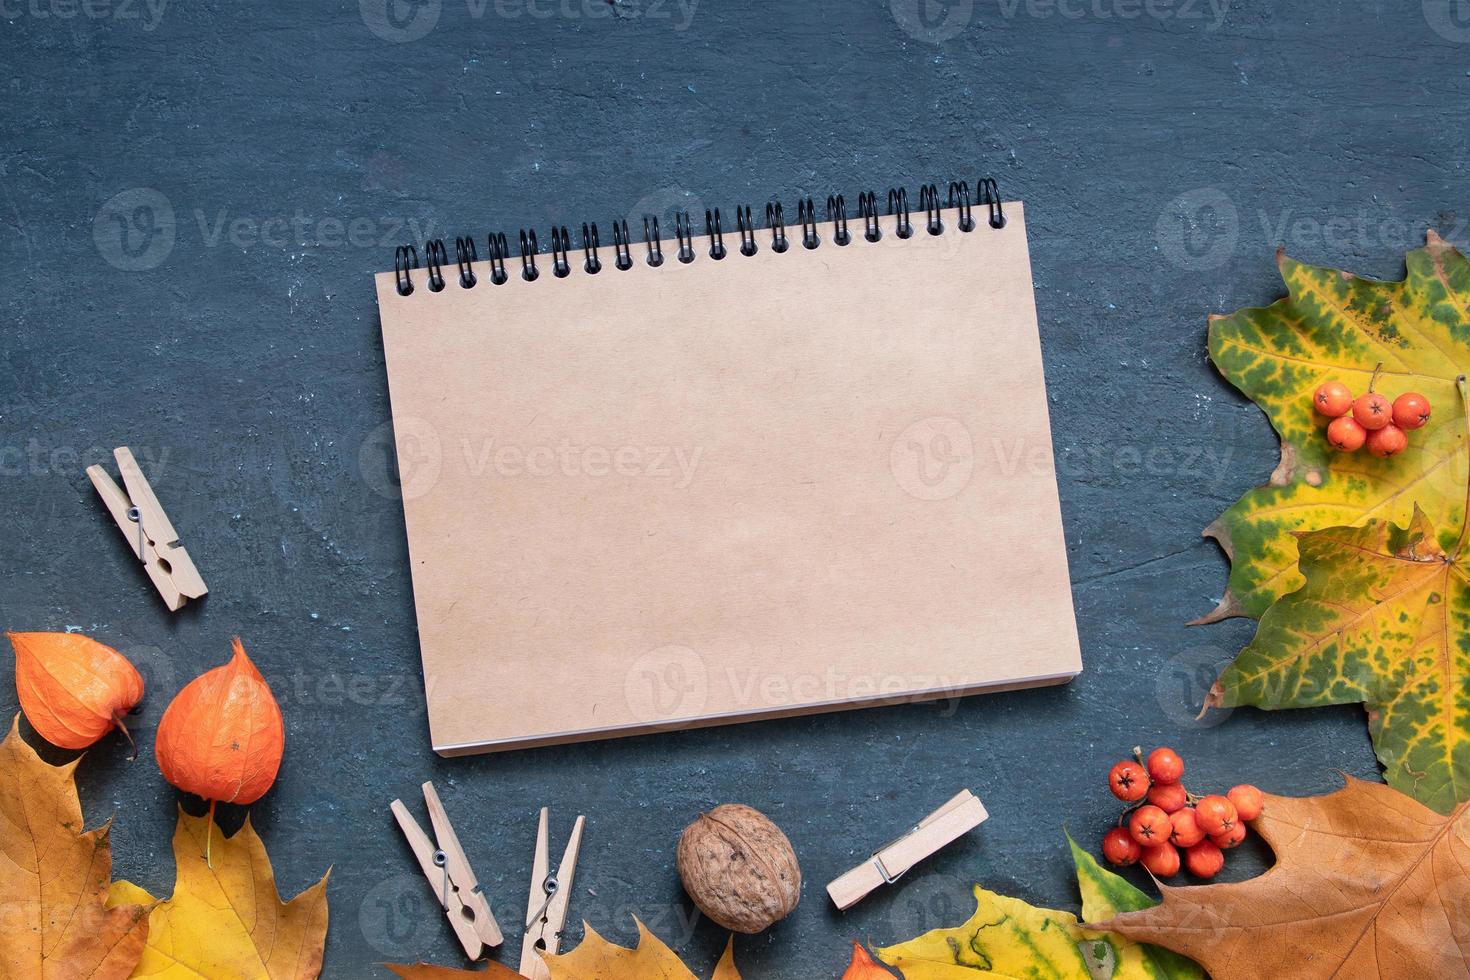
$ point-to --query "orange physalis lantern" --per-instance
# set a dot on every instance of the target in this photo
(222, 736)
(862, 967)
(73, 689)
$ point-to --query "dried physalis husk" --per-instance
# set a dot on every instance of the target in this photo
(739, 868)
(222, 736)
(73, 689)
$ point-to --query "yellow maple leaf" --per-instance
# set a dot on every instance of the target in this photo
(594, 959)
(597, 959)
(54, 878)
(228, 921)
(428, 971)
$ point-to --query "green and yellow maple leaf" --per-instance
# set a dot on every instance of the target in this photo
(1333, 325)
(1006, 938)
(1384, 618)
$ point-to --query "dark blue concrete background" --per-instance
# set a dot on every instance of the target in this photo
(193, 198)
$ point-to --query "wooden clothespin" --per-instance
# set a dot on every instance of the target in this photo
(449, 874)
(546, 911)
(148, 531)
(945, 825)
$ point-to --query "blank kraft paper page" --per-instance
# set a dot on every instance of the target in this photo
(764, 485)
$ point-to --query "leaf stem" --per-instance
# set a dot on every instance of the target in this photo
(117, 719)
(209, 835)
(1464, 388)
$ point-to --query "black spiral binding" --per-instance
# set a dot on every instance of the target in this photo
(715, 234)
(591, 262)
(561, 245)
(837, 214)
(465, 257)
(653, 240)
(868, 211)
(623, 246)
(958, 199)
(684, 232)
(743, 222)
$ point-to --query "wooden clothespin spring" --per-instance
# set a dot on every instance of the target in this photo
(963, 813)
(148, 531)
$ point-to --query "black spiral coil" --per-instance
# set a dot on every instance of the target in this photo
(957, 199)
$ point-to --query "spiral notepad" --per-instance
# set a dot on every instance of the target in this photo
(741, 472)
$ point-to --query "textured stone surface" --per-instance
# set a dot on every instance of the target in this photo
(283, 149)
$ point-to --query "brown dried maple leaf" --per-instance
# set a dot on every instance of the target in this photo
(53, 878)
(1368, 883)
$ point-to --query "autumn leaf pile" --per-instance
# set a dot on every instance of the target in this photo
(1356, 565)
(1368, 884)
(221, 738)
(66, 918)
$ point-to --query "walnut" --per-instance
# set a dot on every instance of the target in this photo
(739, 868)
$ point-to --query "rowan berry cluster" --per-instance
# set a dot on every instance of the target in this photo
(1166, 818)
(1369, 419)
